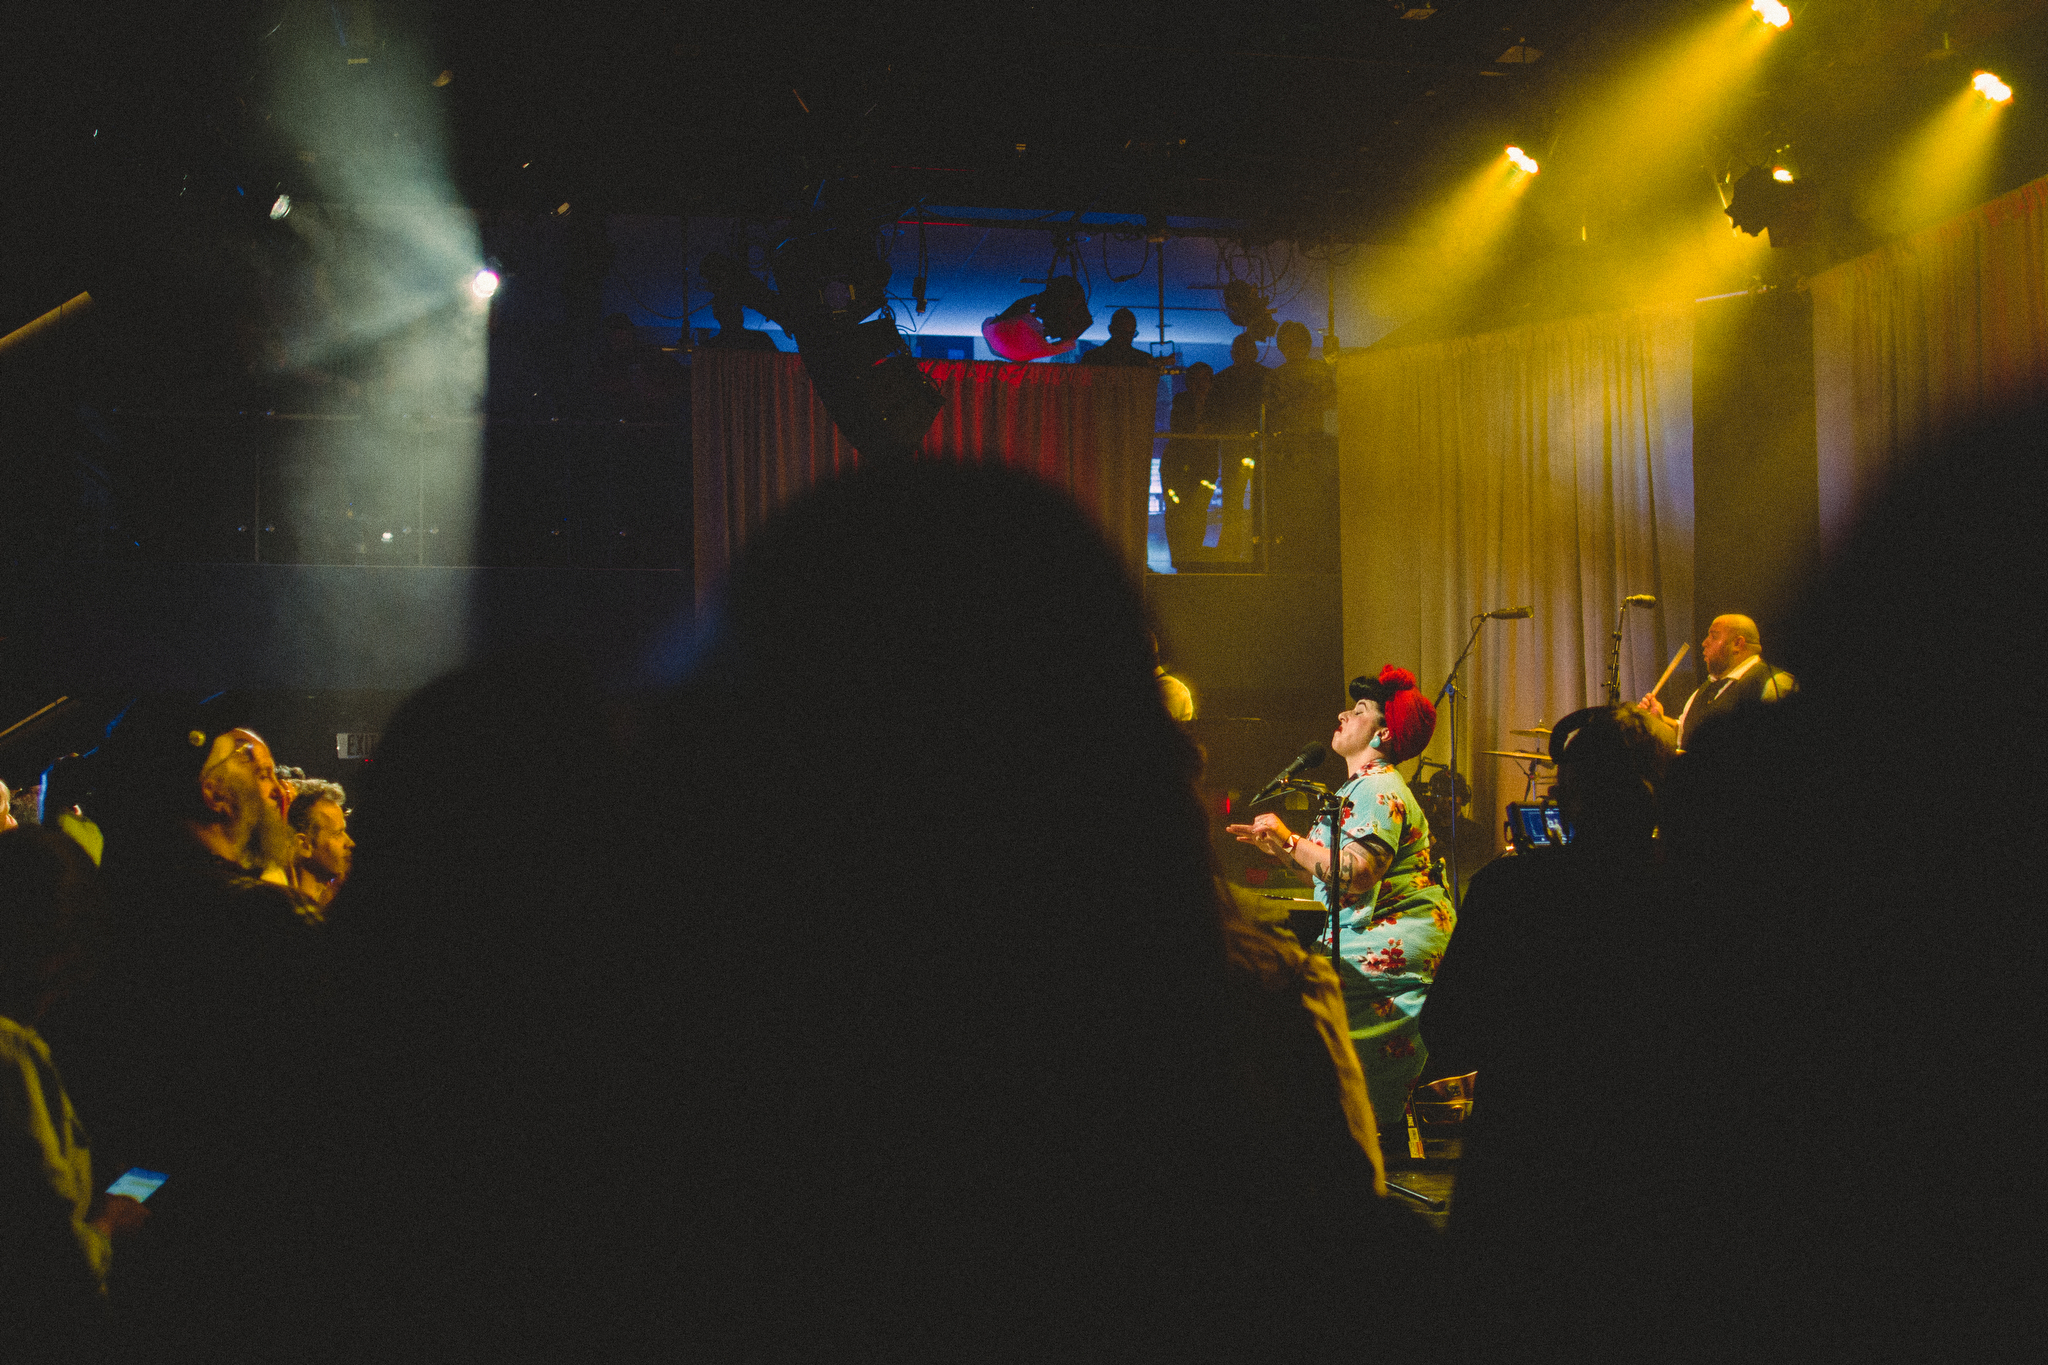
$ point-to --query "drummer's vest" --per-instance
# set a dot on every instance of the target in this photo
(1718, 698)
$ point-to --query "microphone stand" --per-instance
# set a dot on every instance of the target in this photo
(1330, 815)
(1614, 658)
(1450, 692)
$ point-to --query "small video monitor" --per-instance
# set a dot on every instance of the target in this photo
(1537, 826)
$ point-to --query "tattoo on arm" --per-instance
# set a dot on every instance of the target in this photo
(1362, 864)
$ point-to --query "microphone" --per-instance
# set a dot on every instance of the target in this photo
(1641, 599)
(1510, 614)
(1311, 757)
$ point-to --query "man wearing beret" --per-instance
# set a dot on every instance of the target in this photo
(1396, 918)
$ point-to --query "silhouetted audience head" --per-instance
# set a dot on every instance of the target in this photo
(953, 617)
(1199, 376)
(1609, 762)
(1244, 350)
(1294, 341)
(52, 921)
(1123, 325)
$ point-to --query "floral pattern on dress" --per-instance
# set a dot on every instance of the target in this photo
(1389, 961)
(1396, 933)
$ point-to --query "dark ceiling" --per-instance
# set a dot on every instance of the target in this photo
(1313, 116)
(1298, 120)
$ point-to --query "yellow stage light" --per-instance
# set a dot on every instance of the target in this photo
(1771, 12)
(1942, 170)
(1991, 88)
(1450, 245)
(1781, 175)
(1523, 160)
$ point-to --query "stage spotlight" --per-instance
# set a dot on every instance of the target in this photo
(1522, 159)
(1758, 204)
(1771, 12)
(828, 278)
(484, 283)
(280, 206)
(1990, 87)
(1781, 175)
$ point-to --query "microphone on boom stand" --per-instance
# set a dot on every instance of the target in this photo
(1636, 599)
(1449, 694)
(1311, 757)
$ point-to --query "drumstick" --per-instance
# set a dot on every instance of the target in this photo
(1669, 669)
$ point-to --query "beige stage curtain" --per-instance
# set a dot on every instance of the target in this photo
(759, 436)
(1924, 336)
(1548, 466)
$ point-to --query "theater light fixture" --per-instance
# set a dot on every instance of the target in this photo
(280, 206)
(1990, 87)
(1758, 204)
(484, 283)
(1523, 160)
(1771, 12)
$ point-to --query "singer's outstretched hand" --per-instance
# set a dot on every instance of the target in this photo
(1267, 833)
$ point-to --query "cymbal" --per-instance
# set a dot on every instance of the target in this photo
(1540, 732)
(1543, 759)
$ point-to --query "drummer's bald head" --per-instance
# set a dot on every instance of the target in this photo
(1735, 624)
(1730, 640)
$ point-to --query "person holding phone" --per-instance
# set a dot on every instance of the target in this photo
(55, 1248)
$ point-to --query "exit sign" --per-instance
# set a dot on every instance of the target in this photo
(358, 745)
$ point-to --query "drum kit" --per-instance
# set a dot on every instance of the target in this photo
(1531, 760)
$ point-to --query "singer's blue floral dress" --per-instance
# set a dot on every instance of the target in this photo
(1394, 936)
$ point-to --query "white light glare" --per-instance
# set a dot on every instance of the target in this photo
(1522, 159)
(1781, 175)
(280, 206)
(1991, 88)
(484, 283)
(1771, 12)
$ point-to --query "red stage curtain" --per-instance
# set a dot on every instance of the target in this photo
(1920, 338)
(759, 436)
(1546, 466)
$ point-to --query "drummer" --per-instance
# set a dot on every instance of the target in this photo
(1396, 917)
